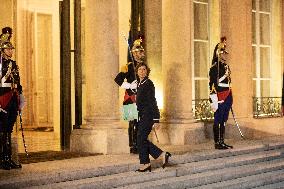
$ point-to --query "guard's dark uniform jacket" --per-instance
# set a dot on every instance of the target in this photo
(220, 84)
(10, 88)
(129, 96)
(224, 82)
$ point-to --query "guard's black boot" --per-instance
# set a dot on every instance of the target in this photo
(1, 145)
(4, 155)
(227, 145)
(220, 146)
(222, 134)
(133, 150)
(132, 134)
(5, 164)
(13, 164)
(216, 132)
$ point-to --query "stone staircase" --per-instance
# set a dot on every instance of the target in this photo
(258, 166)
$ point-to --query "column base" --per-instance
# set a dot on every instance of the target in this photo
(100, 140)
(186, 133)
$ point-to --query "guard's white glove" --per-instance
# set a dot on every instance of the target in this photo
(214, 104)
(22, 102)
(127, 85)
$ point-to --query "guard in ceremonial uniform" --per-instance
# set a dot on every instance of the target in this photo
(220, 94)
(11, 101)
(127, 79)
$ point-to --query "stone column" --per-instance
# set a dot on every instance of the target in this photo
(177, 73)
(236, 26)
(239, 45)
(102, 132)
(153, 40)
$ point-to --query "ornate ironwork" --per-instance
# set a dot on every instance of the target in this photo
(202, 110)
(264, 107)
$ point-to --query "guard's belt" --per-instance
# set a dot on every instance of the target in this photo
(7, 85)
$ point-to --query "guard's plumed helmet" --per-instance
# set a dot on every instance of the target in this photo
(221, 49)
(5, 42)
(137, 45)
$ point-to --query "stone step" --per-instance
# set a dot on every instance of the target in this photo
(70, 172)
(230, 161)
(279, 185)
(213, 154)
(127, 178)
(266, 180)
(213, 176)
(62, 175)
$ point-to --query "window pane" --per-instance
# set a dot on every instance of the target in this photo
(254, 88)
(200, 21)
(264, 23)
(264, 62)
(264, 5)
(253, 28)
(201, 89)
(265, 88)
(200, 59)
(253, 5)
(254, 61)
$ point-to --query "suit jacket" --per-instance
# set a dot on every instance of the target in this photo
(146, 101)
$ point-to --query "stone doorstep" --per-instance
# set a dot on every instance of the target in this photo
(209, 177)
(259, 181)
(127, 176)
